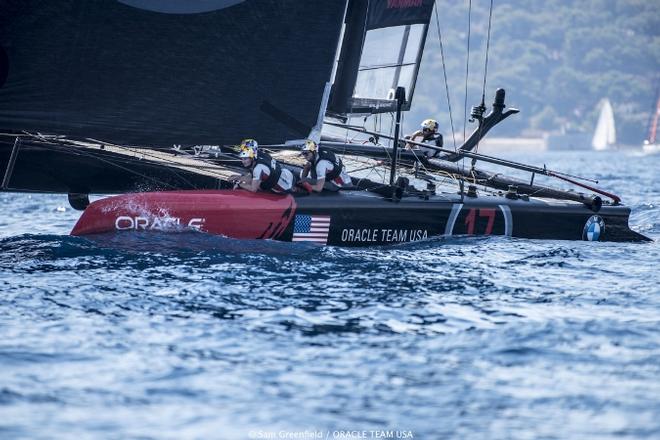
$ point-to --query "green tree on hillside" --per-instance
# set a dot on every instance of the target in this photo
(557, 59)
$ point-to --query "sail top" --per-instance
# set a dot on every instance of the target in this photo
(382, 50)
(605, 133)
(163, 72)
(390, 13)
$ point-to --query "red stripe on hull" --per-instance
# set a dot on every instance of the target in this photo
(237, 214)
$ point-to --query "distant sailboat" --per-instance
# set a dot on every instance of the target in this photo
(651, 145)
(605, 134)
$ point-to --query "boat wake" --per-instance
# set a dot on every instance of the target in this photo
(130, 245)
(194, 321)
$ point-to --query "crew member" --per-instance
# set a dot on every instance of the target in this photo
(323, 169)
(427, 134)
(264, 172)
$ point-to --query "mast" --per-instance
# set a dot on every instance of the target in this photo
(349, 57)
(400, 96)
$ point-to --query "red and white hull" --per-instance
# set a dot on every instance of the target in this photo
(237, 214)
(353, 218)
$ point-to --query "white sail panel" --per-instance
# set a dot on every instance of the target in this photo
(388, 60)
(605, 133)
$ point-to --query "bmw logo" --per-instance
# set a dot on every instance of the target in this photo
(594, 228)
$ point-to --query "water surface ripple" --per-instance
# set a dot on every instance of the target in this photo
(191, 336)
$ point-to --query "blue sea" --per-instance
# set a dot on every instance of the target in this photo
(189, 336)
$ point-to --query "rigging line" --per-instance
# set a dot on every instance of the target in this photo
(97, 156)
(133, 147)
(373, 169)
(402, 122)
(132, 159)
(467, 75)
(210, 168)
(387, 152)
(144, 151)
(380, 173)
(392, 131)
(490, 20)
(369, 167)
(145, 154)
(483, 89)
(148, 152)
(78, 146)
(78, 151)
(360, 160)
(173, 171)
(444, 71)
(467, 69)
(13, 135)
(417, 160)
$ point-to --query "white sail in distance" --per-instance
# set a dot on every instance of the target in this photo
(605, 133)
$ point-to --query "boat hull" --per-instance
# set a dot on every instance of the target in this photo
(352, 218)
(651, 148)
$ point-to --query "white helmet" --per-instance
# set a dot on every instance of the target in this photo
(249, 149)
(310, 145)
(430, 124)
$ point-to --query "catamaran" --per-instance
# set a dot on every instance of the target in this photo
(145, 99)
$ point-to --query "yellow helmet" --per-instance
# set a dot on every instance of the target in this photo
(430, 124)
(248, 149)
(310, 145)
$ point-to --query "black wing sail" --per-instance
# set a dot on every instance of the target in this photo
(157, 73)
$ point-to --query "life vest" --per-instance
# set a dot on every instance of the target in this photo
(337, 165)
(437, 137)
(273, 166)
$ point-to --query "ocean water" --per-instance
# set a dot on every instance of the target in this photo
(192, 336)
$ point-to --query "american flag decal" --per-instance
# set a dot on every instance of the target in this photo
(313, 228)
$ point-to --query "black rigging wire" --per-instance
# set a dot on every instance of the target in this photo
(76, 150)
(146, 154)
(467, 76)
(483, 89)
(444, 71)
(467, 69)
(490, 20)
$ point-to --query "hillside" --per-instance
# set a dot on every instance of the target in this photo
(557, 59)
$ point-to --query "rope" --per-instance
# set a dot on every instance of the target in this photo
(490, 20)
(99, 157)
(467, 69)
(144, 155)
(79, 148)
(483, 89)
(85, 153)
(444, 71)
(467, 75)
(211, 169)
